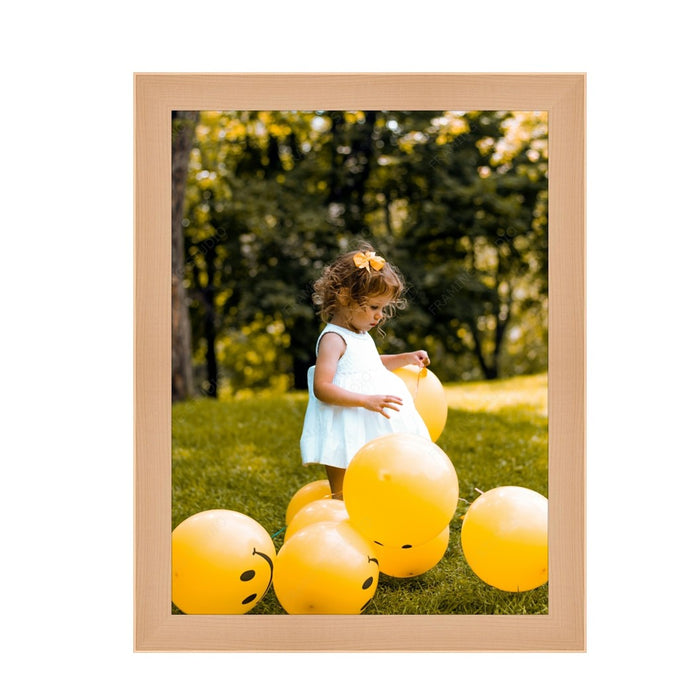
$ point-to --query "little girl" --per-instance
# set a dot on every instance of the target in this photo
(353, 394)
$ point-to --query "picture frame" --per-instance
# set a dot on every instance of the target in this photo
(156, 95)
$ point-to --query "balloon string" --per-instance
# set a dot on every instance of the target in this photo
(478, 491)
(279, 532)
(423, 372)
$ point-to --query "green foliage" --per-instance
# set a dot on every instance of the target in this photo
(242, 454)
(254, 357)
(457, 200)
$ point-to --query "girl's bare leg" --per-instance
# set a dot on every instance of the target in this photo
(335, 478)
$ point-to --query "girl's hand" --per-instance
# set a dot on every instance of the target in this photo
(419, 357)
(381, 402)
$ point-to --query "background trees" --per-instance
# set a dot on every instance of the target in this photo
(458, 200)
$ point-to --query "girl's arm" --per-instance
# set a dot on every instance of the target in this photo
(417, 357)
(330, 350)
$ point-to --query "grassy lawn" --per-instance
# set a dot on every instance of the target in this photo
(243, 455)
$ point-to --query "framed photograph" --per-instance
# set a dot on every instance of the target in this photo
(521, 136)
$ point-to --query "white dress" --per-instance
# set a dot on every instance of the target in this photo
(333, 434)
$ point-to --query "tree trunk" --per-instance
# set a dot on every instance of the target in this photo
(489, 371)
(362, 152)
(212, 388)
(300, 367)
(501, 325)
(183, 124)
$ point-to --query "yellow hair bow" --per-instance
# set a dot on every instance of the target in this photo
(364, 260)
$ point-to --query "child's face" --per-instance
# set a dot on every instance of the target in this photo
(363, 318)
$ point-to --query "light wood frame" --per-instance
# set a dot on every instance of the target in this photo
(156, 95)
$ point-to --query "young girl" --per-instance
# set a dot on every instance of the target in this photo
(353, 394)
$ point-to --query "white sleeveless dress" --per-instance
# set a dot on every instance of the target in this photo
(333, 434)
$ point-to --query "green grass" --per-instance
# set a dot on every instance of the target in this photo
(243, 454)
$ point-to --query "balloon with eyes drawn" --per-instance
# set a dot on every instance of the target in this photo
(222, 563)
(400, 489)
(408, 561)
(326, 568)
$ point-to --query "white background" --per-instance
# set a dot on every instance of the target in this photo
(67, 186)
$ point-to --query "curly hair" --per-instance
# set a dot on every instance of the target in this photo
(343, 279)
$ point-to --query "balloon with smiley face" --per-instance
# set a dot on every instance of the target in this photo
(323, 510)
(408, 561)
(400, 489)
(222, 563)
(326, 568)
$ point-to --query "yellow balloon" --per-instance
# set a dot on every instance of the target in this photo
(222, 563)
(324, 510)
(327, 568)
(400, 489)
(404, 562)
(504, 538)
(306, 494)
(428, 396)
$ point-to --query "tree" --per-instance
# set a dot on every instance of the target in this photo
(472, 234)
(457, 200)
(182, 384)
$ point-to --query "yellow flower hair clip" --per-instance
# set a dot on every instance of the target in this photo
(364, 260)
